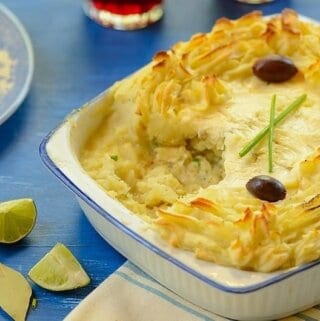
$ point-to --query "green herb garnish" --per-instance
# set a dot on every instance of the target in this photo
(154, 142)
(271, 130)
(196, 160)
(114, 157)
(293, 106)
(34, 303)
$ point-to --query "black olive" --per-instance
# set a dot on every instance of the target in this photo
(274, 68)
(266, 188)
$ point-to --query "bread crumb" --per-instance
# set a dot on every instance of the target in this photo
(6, 70)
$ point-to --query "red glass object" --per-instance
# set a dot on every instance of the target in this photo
(125, 7)
(124, 14)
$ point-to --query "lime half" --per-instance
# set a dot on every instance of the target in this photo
(17, 219)
(59, 270)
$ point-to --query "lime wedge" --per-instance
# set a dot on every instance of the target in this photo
(15, 293)
(59, 270)
(17, 219)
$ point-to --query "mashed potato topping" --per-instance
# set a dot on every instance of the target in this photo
(169, 149)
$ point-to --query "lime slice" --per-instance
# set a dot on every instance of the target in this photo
(17, 219)
(15, 293)
(59, 270)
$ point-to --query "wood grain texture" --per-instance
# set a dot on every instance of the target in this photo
(75, 59)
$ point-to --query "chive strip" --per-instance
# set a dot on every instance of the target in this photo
(271, 130)
(294, 105)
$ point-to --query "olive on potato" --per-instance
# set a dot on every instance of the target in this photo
(266, 188)
(274, 69)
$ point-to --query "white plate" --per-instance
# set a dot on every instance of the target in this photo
(16, 42)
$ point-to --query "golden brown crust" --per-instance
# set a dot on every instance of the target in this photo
(226, 53)
(290, 21)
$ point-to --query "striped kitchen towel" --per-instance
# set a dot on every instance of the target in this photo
(131, 295)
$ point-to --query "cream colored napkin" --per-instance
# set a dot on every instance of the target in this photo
(131, 295)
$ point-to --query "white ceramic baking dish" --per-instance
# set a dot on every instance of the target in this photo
(226, 291)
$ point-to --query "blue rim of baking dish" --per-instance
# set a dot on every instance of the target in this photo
(50, 164)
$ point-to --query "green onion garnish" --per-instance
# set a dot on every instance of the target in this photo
(34, 303)
(271, 129)
(294, 105)
(196, 160)
(114, 157)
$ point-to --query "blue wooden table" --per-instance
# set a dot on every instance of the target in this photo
(75, 59)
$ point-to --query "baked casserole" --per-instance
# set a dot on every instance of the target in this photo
(171, 148)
